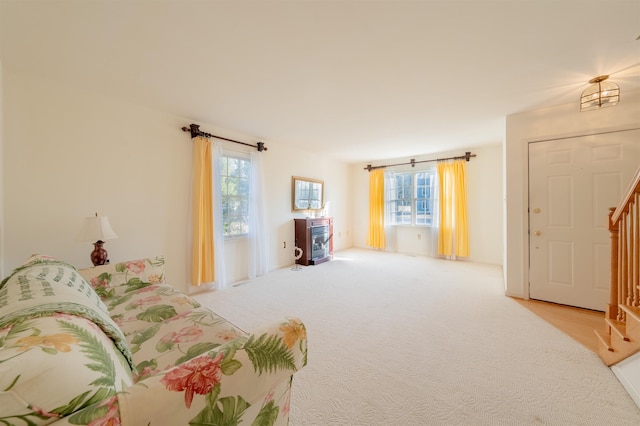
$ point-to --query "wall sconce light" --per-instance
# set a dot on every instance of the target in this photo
(600, 94)
(97, 228)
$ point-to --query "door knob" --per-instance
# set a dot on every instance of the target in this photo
(537, 233)
(536, 210)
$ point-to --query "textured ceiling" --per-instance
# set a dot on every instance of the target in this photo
(364, 80)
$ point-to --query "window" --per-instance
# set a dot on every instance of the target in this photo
(235, 195)
(408, 197)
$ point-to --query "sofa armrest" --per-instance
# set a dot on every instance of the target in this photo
(244, 378)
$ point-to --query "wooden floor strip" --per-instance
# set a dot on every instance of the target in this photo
(578, 323)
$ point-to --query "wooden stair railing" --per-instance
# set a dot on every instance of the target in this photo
(622, 318)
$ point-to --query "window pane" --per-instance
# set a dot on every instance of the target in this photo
(224, 166)
(233, 166)
(405, 186)
(243, 186)
(244, 168)
(244, 207)
(423, 214)
(223, 187)
(404, 212)
(234, 184)
(225, 207)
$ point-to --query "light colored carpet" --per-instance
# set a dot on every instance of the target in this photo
(402, 340)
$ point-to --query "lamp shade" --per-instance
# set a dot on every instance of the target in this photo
(96, 228)
(600, 94)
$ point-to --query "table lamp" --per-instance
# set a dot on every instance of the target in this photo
(97, 228)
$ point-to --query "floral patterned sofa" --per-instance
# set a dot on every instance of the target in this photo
(116, 345)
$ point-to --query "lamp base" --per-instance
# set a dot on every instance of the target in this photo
(99, 255)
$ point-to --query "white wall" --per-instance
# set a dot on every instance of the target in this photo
(548, 123)
(484, 198)
(69, 153)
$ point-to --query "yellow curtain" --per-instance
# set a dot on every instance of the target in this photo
(202, 265)
(453, 237)
(461, 224)
(375, 236)
(445, 240)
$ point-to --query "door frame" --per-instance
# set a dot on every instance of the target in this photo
(527, 231)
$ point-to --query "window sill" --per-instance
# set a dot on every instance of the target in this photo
(236, 237)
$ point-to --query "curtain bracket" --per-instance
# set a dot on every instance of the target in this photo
(195, 130)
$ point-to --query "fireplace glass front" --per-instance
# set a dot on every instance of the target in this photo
(319, 242)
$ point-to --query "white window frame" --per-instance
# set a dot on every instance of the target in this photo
(240, 202)
(408, 198)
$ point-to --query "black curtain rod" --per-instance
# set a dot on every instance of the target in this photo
(195, 131)
(467, 156)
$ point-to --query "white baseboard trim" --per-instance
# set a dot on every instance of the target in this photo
(628, 374)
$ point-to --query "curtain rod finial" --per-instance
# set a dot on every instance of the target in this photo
(261, 146)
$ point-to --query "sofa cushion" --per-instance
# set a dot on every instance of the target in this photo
(33, 280)
(117, 278)
(44, 286)
(53, 366)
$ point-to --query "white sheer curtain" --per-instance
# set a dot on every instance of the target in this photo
(389, 229)
(435, 214)
(218, 231)
(258, 229)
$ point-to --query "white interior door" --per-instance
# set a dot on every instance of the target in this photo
(572, 184)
